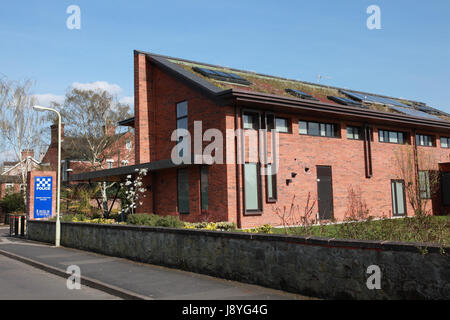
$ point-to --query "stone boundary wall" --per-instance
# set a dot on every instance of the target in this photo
(312, 266)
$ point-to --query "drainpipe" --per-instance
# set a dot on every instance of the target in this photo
(238, 168)
(416, 165)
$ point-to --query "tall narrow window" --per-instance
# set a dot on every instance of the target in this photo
(445, 142)
(398, 197)
(204, 187)
(183, 190)
(182, 122)
(252, 187)
(424, 184)
(271, 184)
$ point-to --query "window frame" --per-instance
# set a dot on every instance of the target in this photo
(427, 189)
(360, 132)
(204, 171)
(431, 137)
(178, 191)
(257, 211)
(180, 138)
(288, 126)
(273, 177)
(448, 142)
(335, 126)
(405, 136)
(405, 205)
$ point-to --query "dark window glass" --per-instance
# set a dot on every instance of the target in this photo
(318, 129)
(445, 142)
(424, 140)
(282, 125)
(424, 184)
(270, 120)
(391, 136)
(183, 190)
(354, 133)
(204, 187)
(251, 121)
(398, 197)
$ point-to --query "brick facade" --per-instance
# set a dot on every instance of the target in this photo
(156, 94)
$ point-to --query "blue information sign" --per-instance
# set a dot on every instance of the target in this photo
(43, 197)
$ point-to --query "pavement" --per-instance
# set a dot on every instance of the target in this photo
(128, 279)
(19, 281)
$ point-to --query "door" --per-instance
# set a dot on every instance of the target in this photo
(398, 197)
(325, 192)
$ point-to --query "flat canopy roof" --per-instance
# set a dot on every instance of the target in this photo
(119, 174)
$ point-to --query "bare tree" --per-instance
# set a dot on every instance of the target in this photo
(89, 116)
(418, 188)
(20, 125)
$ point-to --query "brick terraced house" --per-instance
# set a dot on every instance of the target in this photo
(331, 140)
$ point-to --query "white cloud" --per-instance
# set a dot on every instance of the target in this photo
(99, 85)
(46, 99)
(129, 100)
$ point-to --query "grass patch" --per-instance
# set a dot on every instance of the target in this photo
(431, 229)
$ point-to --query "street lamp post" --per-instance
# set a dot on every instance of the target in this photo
(58, 187)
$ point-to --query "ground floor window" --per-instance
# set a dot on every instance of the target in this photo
(271, 184)
(252, 187)
(183, 190)
(204, 187)
(424, 184)
(398, 197)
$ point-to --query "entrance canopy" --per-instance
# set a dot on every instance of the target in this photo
(120, 174)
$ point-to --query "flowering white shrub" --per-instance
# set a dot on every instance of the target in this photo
(134, 191)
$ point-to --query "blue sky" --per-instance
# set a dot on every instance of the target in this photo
(408, 57)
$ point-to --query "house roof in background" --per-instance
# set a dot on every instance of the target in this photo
(277, 86)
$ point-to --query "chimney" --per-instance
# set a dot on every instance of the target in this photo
(27, 153)
(54, 133)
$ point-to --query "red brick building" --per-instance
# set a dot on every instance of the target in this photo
(74, 158)
(14, 173)
(331, 140)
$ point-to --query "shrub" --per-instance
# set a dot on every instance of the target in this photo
(221, 226)
(13, 203)
(155, 220)
(266, 228)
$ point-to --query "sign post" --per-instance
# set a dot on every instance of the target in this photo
(43, 197)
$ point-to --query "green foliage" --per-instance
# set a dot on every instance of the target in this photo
(220, 226)
(13, 203)
(426, 229)
(155, 220)
(266, 228)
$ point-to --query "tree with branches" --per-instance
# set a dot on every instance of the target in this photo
(21, 127)
(90, 117)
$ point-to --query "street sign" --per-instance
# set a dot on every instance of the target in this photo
(43, 197)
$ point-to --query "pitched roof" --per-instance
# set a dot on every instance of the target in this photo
(277, 86)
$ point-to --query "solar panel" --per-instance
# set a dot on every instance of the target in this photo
(301, 94)
(415, 113)
(221, 76)
(372, 98)
(345, 101)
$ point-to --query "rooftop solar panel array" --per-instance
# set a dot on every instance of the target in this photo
(300, 94)
(345, 101)
(415, 113)
(372, 98)
(221, 76)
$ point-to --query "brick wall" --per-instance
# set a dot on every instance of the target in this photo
(157, 93)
